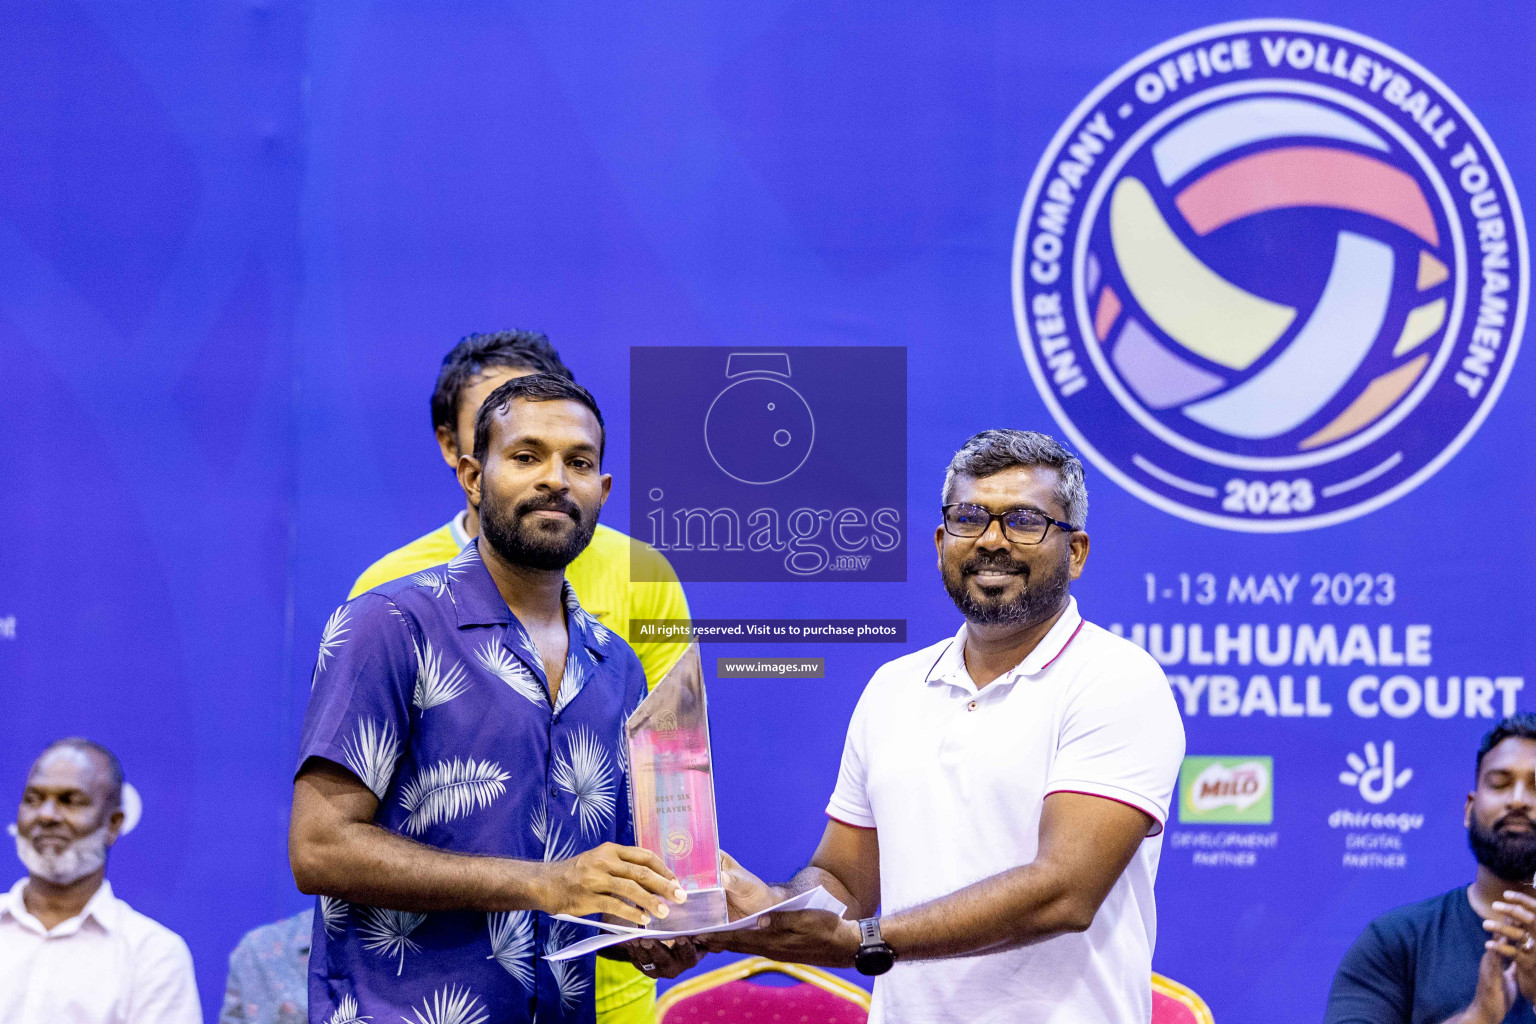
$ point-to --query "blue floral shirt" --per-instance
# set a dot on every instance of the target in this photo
(430, 691)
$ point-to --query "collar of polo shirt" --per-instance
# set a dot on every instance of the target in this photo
(950, 667)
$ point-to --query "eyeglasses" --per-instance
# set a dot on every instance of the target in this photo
(1020, 525)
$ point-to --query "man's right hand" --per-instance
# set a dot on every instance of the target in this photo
(625, 882)
(1495, 991)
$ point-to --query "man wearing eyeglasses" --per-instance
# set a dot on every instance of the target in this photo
(995, 826)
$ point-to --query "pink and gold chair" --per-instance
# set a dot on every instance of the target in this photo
(728, 996)
(1172, 1003)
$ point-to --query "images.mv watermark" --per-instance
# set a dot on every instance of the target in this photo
(761, 465)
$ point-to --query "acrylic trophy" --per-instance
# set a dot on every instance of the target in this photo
(672, 791)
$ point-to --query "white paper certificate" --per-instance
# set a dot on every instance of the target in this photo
(812, 899)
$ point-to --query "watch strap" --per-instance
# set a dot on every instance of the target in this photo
(869, 932)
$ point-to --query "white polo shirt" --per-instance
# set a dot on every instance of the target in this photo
(954, 778)
(107, 965)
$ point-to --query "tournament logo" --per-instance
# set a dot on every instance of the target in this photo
(1270, 275)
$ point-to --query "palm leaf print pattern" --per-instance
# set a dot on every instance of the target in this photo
(512, 943)
(583, 770)
(540, 823)
(601, 634)
(449, 790)
(434, 685)
(526, 644)
(450, 1004)
(333, 915)
(623, 745)
(572, 681)
(461, 561)
(496, 660)
(434, 582)
(346, 1012)
(331, 637)
(556, 846)
(571, 976)
(371, 754)
(388, 932)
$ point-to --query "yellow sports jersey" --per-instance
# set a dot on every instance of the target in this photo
(601, 578)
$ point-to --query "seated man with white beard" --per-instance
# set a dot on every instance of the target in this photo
(70, 951)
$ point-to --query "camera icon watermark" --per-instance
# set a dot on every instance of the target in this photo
(757, 465)
(762, 428)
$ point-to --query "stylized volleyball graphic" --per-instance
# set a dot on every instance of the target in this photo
(1245, 342)
(1270, 275)
(679, 843)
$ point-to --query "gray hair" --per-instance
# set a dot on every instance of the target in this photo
(108, 759)
(993, 451)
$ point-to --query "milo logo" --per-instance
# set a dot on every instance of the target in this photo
(1228, 790)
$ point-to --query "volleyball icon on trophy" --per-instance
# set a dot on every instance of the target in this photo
(759, 430)
(679, 843)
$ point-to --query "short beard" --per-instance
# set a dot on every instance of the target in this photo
(522, 545)
(82, 857)
(1035, 603)
(1511, 856)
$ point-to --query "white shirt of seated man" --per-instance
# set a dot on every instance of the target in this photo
(70, 951)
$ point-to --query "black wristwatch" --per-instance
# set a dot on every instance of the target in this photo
(874, 956)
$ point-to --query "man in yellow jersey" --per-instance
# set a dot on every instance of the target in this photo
(600, 575)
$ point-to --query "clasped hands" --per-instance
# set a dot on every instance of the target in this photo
(805, 936)
(1509, 962)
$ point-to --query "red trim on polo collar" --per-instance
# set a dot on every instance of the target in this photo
(1080, 623)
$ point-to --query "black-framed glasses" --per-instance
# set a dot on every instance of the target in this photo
(1020, 525)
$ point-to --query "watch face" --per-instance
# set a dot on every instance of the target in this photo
(759, 430)
(875, 960)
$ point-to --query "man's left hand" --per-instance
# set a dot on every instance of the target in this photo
(1515, 932)
(816, 937)
(660, 958)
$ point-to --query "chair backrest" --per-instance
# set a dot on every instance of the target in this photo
(727, 994)
(1172, 1003)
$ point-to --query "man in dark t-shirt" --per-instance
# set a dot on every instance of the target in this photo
(1468, 956)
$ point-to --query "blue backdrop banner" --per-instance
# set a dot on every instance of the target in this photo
(1268, 275)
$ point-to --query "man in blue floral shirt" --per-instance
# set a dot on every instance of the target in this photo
(462, 772)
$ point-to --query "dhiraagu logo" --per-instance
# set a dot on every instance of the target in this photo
(1270, 275)
(1227, 791)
